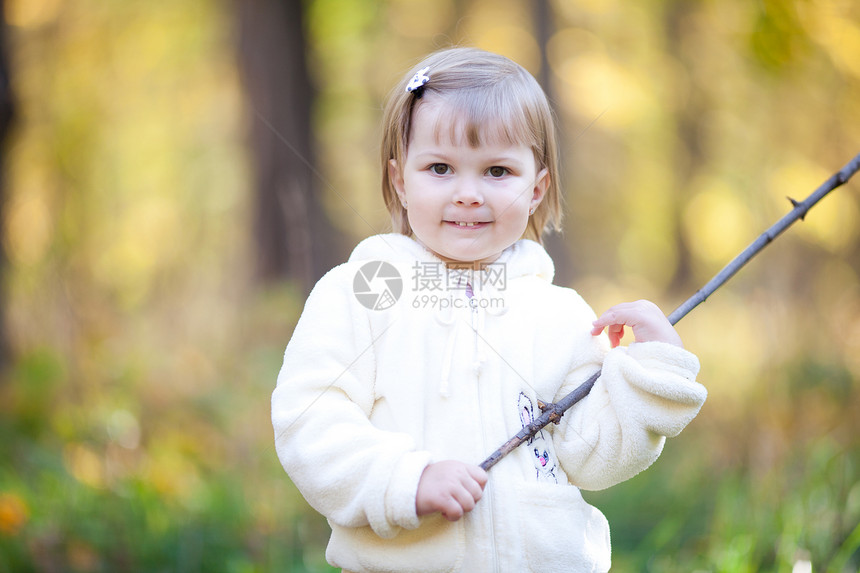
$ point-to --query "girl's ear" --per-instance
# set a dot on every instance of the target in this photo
(540, 188)
(396, 179)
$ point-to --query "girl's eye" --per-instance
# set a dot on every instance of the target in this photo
(440, 168)
(497, 171)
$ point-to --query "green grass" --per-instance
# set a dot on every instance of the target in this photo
(755, 489)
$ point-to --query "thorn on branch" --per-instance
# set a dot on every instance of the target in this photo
(796, 204)
(554, 416)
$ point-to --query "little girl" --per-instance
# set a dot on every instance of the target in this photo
(433, 345)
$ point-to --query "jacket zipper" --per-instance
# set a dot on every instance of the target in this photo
(490, 499)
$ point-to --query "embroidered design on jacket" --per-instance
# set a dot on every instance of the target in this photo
(537, 445)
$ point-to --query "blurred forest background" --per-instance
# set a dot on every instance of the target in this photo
(177, 173)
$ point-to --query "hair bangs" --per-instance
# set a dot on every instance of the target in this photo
(482, 116)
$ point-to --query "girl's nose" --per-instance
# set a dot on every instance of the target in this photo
(468, 194)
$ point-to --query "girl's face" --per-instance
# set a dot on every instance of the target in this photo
(466, 204)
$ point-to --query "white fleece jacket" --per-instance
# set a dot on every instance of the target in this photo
(367, 398)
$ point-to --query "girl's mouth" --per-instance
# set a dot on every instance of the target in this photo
(467, 224)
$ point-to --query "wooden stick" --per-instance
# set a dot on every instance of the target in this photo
(552, 413)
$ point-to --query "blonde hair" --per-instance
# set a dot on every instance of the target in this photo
(494, 98)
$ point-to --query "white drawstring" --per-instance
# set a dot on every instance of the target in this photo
(478, 308)
(444, 384)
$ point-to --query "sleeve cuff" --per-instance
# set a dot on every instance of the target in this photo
(402, 489)
(666, 357)
(668, 396)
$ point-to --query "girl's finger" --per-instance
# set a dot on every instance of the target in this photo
(464, 499)
(478, 474)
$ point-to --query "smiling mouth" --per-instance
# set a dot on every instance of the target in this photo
(467, 224)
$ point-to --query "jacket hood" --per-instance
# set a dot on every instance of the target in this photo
(523, 258)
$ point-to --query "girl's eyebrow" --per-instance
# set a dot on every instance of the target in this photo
(504, 158)
(432, 154)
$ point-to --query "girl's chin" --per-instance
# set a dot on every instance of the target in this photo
(451, 255)
(466, 258)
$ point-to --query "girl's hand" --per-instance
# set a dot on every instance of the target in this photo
(450, 487)
(645, 318)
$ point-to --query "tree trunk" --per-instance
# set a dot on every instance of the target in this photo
(688, 126)
(294, 238)
(555, 243)
(6, 116)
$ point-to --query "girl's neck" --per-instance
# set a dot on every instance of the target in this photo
(456, 264)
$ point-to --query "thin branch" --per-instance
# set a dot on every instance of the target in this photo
(552, 413)
(799, 212)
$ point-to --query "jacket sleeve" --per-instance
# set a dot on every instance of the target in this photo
(645, 393)
(350, 471)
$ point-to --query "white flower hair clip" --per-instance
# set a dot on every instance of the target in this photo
(416, 84)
